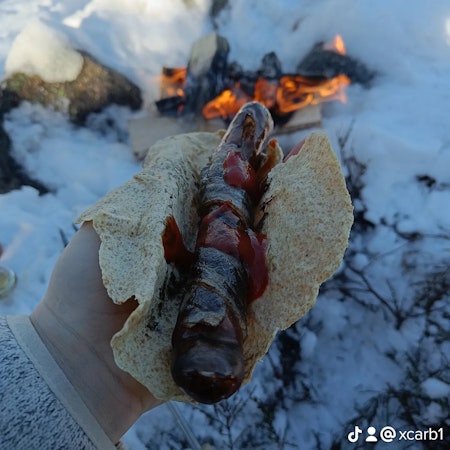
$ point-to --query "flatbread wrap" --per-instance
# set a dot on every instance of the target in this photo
(301, 217)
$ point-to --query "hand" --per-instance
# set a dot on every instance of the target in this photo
(76, 321)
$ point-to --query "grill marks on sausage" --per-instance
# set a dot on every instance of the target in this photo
(224, 230)
(230, 268)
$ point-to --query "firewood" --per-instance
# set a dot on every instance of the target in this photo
(308, 117)
(145, 131)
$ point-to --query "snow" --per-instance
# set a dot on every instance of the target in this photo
(135, 37)
(435, 388)
(39, 50)
(380, 327)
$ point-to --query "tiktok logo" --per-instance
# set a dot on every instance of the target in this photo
(353, 436)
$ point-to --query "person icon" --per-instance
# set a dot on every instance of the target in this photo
(371, 432)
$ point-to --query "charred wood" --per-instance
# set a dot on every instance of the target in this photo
(206, 72)
(323, 63)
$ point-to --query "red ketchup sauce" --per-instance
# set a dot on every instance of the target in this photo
(174, 249)
(239, 173)
(224, 230)
(243, 243)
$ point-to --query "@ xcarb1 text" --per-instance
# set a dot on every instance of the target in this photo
(389, 434)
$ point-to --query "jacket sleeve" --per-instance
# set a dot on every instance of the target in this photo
(39, 408)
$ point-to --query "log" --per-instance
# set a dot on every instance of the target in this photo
(145, 131)
(308, 117)
(206, 71)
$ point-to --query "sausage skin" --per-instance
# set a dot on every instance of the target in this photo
(229, 267)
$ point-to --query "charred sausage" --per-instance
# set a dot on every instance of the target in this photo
(229, 263)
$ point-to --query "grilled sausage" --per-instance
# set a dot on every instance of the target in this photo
(229, 269)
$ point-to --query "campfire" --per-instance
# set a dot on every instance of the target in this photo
(210, 86)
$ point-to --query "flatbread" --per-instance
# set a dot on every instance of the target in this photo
(307, 220)
(308, 216)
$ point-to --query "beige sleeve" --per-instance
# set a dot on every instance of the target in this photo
(39, 405)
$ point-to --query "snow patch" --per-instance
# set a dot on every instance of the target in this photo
(40, 50)
(436, 388)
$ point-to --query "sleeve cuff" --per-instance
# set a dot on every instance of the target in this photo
(30, 342)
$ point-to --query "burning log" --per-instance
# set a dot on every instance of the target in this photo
(188, 89)
(172, 94)
(217, 89)
(330, 60)
(206, 71)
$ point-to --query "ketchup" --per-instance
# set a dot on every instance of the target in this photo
(174, 249)
(223, 229)
(239, 173)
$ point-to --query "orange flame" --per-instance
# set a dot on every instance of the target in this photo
(293, 92)
(227, 104)
(289, 93)
(296, 92)
(336, 45)
(266, 92)
(172, 81)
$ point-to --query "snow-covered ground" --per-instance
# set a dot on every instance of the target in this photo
(375, 350)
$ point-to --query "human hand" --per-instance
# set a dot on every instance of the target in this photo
(76, 321)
